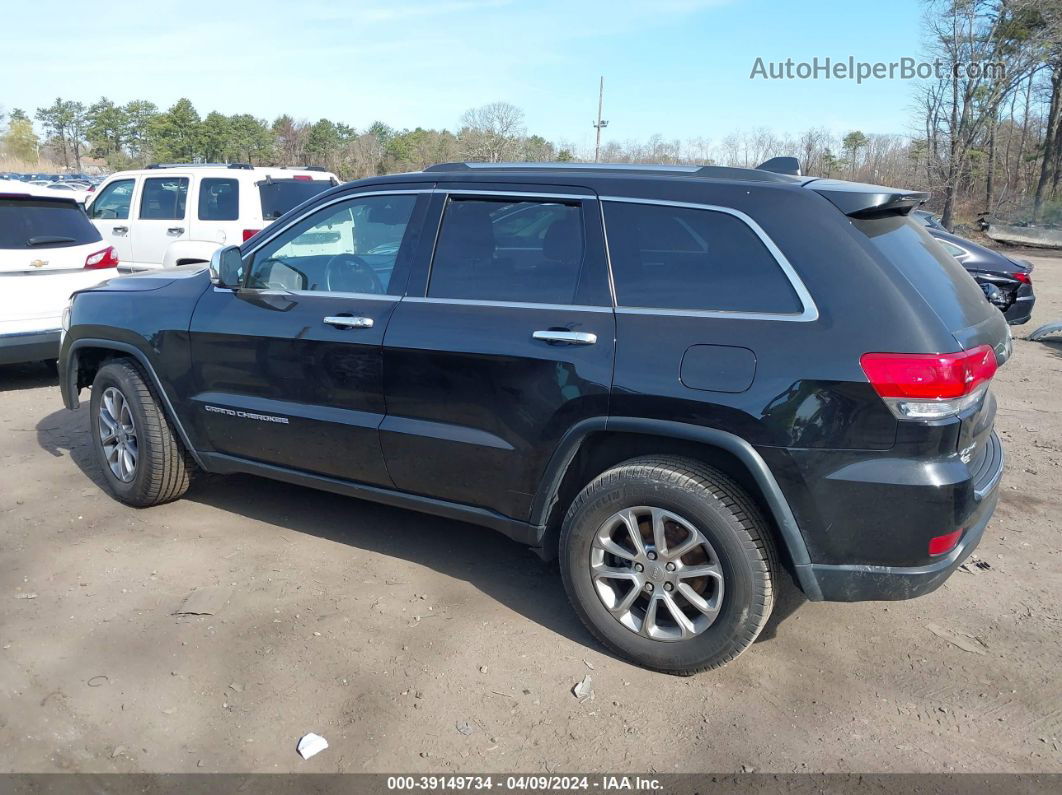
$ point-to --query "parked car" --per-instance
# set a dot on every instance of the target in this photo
(48, 250)
(72, 188)
(1006, 282)
(176, 214)
(663, 376)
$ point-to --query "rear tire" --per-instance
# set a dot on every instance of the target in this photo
(142, 460)
(704, 554)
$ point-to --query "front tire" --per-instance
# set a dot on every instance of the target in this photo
(142, 460)
(669, 563)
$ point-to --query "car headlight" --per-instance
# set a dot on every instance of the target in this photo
(66, 314)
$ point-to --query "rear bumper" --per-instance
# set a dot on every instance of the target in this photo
(890, 583)
(1021, 310)
(29, 346)
(866, 582)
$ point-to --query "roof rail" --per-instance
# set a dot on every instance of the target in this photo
(200, 165)
(716, 172)
(307, 168)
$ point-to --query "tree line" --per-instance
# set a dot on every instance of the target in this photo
(138, 132)
(984, 142)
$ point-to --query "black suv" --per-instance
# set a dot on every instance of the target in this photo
(677, 380)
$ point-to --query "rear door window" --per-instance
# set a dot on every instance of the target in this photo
(936, 275)
(113, 201)
(504, 250)
(280, 195)
(667, 257)
(219, 199)
(44, 223)
(164, 199)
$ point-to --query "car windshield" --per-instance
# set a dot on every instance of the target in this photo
(44, 223)
(281, 195)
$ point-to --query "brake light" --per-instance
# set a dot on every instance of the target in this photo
(108, 258)
(303, 177)
(1022, 276)
(249, 233)
(941, 545)
(932, 386)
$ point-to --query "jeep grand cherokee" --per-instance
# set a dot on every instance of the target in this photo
(678, 381)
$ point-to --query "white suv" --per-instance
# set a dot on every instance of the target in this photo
(174, 214)
(48, 250)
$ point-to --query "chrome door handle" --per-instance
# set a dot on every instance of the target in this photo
(349, 322)
(567, 337)
(175, 230)
(120, 230)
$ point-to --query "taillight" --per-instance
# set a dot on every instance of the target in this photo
(108, 258)
(1022, 276)
(930, 386)
(249, 233)
(303, 177)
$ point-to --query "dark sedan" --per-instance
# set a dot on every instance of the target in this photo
(1006, 282)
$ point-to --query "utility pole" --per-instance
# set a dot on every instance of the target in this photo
(600, 123)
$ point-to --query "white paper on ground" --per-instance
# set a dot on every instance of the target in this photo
(311, 744)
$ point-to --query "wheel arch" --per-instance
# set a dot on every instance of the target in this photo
(595, 445)
(87, 355)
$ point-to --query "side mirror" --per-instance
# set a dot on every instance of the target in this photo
(226, 267)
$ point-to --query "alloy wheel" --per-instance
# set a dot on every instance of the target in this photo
(118, 435)
(656, 573)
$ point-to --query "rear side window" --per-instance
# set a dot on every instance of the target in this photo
(280, 195)
(667, 257)
(523, 251)
(113, 201)
(44, 223)
(164, 198)
(219, 199)
(937, 276)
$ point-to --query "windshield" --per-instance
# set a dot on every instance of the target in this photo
(44, 223)
(279, 196)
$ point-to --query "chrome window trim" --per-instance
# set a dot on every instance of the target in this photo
(504, 304)
(810, 311)
(354, 296)
(518, 194)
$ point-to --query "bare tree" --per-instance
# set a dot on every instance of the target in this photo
(491, 132)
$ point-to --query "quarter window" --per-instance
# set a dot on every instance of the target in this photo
(346, 248)
(113, 201)
(164, 198)
(219, 199)
(683, 258)
(504, 250)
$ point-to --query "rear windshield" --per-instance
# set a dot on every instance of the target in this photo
(44, 223)
(279, 196)
(935, 275)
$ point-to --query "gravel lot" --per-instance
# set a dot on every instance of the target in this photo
(417, 644)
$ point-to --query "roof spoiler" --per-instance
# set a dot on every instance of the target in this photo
(781, 165)
(858, 200)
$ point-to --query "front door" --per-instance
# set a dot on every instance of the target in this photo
(500, 349)
(162, 218)
(288, 368)
(110, 210)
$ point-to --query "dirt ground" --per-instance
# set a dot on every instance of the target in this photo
(418, 644)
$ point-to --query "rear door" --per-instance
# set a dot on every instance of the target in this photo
(217, 211)
(500, 346)
(161, 217)
(287, 369)
(110, 212)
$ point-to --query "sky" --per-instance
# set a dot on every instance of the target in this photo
(680, 68)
